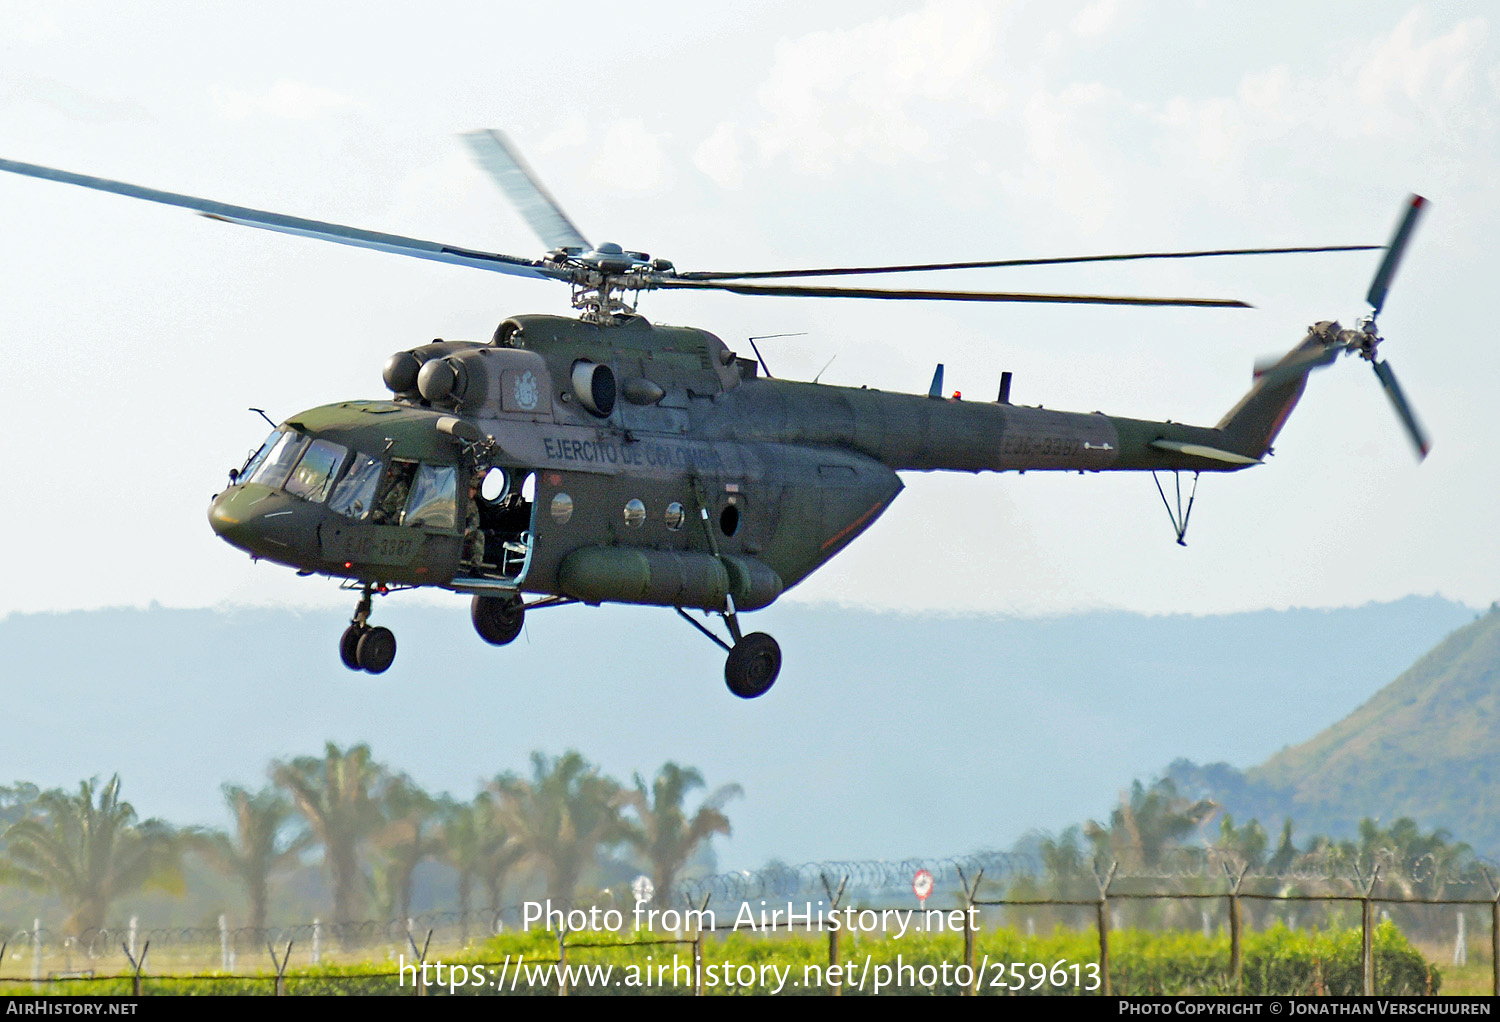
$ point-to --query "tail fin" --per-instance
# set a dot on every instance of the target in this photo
(1251, 426)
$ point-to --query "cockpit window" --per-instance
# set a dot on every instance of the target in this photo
(259, 456)
(277, 464)
(313, 476)
(434, 503)
(355, 493)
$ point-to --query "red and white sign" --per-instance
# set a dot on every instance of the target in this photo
(921, 885)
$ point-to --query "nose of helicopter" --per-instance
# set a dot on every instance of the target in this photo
(263, 522)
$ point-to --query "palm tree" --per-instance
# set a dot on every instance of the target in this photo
(259, 847)
(410, 834)
(1146, 824)
(338, 796)
(662, 831)
(477, 846)
(560, 818)
(88, 849)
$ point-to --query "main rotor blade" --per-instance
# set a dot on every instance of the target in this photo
(503, 162)
(836, 271)
(793, 291)
(1382, 282)
(248, 217)
(1403, 408)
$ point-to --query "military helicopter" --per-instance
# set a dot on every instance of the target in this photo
(607, 459)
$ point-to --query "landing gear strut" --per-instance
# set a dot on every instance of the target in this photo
(363, 648)
(754, 659)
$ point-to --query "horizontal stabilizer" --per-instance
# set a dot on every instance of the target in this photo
(1200, 451)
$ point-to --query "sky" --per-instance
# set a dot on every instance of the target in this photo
(776, 134)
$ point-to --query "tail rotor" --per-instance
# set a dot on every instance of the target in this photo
(1328, 339)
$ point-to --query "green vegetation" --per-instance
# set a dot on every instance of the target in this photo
(1277, 961)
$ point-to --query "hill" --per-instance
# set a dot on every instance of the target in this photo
(1426, 746)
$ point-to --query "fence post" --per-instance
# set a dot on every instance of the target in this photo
(834, 897)
(562, 960)
(698, 944)
(1494, 932)
(421, 954)
(36, 949)
(970, 893)
(317, 942)
(138, 965)
(1236, 962)
(1367, 927)
(280, 966)
(1103, 922)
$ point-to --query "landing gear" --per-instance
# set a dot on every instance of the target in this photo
(363, 648)
(754, 659)
(498, 620)
(752, 666)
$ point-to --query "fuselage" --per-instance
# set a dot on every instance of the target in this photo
(672, 475)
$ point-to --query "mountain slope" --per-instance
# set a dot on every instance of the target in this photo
(1425, 746)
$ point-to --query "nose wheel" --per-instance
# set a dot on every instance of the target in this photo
(363, 648)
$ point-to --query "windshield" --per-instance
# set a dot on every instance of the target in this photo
(259, 456)
(355, 493)
(314, 474)
(277, 463)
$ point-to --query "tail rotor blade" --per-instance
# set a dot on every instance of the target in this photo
(1382, 282)
(1403, 408)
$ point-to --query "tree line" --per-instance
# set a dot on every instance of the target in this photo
(373, 828)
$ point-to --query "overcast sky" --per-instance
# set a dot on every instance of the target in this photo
(773, 134)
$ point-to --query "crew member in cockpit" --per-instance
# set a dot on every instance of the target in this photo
(397, 489)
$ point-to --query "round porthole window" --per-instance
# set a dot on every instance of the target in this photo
(635, 513)
(495, 485)
(562, 508)
(675, 516)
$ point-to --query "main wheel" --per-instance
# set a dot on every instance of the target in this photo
(498, 621)
(376, 650)
(753, 665)
(349, 647)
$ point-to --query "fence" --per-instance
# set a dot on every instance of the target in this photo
(990, 890)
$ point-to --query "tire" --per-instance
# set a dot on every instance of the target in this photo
(498, 621)
(349, 647)
(753, 665)
(376, 650)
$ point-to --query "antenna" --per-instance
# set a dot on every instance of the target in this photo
(761, 359)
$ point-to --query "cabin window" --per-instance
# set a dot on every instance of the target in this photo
(355, 493)
(434, 498)
(313, 476)
(635, 513)
(675, 516)
(562, 508)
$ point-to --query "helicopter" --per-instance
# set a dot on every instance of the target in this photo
(603, 458)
